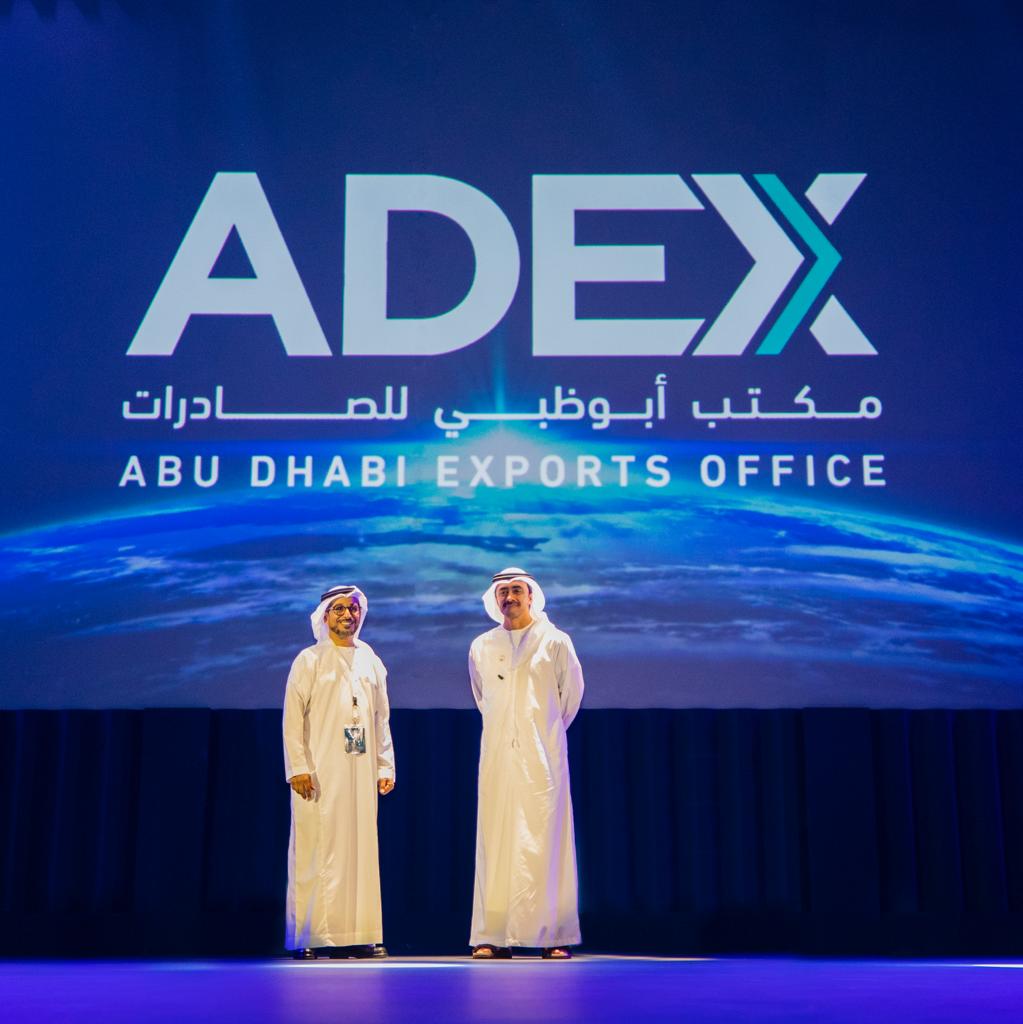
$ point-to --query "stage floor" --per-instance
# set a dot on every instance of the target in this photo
(588, 989)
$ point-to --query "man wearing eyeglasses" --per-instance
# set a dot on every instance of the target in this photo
(338, 760)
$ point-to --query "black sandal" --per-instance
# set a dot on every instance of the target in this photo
(487, 951)
(557, 953)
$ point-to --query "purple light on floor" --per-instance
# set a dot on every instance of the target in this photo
(453, 991)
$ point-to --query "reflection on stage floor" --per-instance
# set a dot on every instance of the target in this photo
(446, 990)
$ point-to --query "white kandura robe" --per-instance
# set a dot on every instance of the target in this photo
(526, 891)
(333, 863)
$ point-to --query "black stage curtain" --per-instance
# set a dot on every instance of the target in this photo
(164, 832)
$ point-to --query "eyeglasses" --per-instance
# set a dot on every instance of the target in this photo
(353, 610)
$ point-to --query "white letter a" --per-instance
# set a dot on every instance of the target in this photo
(233, 201)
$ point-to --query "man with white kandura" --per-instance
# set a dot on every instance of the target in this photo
(528, 685)
(338, 758)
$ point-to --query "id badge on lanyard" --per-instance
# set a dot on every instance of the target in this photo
(355, 734)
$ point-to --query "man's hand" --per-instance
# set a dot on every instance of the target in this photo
(385, 786)
(303, 785)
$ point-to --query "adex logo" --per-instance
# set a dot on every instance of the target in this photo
(765, 219)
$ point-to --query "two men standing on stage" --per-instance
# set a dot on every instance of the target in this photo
(528, 684)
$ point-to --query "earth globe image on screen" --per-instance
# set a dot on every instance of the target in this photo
(679, 596)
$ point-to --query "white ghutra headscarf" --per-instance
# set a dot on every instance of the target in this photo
(326, 599)
(513, 573)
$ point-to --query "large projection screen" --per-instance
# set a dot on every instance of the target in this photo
(705, 314)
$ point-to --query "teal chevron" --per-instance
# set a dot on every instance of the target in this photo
(817, 277)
